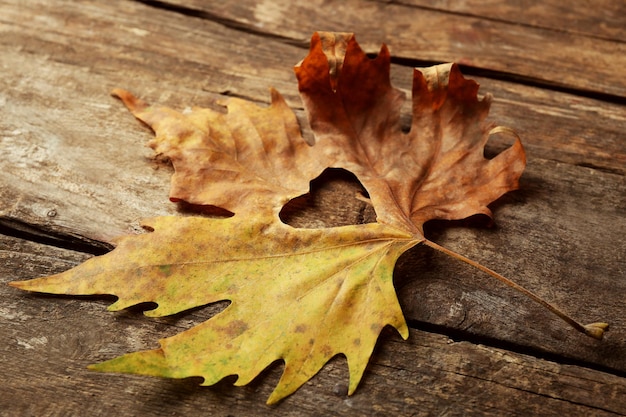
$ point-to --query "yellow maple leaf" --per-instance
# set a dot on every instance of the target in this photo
(300, 295)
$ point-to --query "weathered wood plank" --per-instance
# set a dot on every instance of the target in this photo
(48, 341)
(603, 18)
(552, 56)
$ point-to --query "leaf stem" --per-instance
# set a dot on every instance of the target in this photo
(595, 330)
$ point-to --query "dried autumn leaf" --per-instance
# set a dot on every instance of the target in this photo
(298, 295)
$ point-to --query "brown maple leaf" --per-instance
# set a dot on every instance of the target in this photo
(299, 295)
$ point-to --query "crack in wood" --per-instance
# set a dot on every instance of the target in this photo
(226, 22)
(458, 335)
(516, 78)
(38, 234)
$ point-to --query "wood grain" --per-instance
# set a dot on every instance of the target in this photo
(603, 19)
(550, 55)
(75, 173)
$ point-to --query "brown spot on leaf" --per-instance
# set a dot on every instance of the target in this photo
(236, 328)
(327, 351)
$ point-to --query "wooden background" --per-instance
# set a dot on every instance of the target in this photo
(74, 173)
